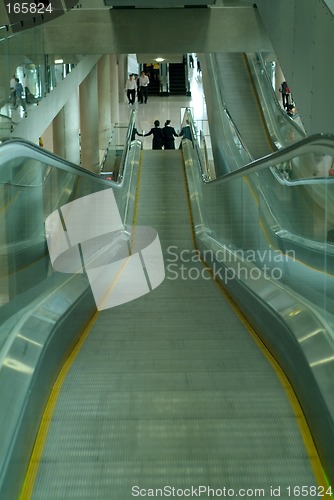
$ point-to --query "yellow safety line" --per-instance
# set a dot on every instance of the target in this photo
(37, 452)
(299, 414)
(300, 417)
(135, 214)
(38, 448)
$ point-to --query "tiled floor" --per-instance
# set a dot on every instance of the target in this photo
(167, 108)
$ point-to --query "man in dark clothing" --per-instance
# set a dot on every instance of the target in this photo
(143, 84)
(169, 134)
(158, 136)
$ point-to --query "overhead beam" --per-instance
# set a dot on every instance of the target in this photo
(222, 29)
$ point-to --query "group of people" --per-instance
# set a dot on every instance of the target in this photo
(198, 64)
(164, 138)
(137, 85)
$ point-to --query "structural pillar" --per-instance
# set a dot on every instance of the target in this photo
(58, 134)
(114, 102)
(66, 131)
(103, 74)
(122, 75)
(89, 128)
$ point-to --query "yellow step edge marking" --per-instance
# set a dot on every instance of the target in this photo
(37, 452)
(300, 417)
(38, 448)
(310, 447)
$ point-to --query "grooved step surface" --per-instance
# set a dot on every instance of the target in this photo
(170, 389)
(241, 102)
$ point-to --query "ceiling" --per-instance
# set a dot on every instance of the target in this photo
(91, 27)
(166, 31)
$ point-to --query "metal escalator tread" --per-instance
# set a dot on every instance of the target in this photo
(170, 389)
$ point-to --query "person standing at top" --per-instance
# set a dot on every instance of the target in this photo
(191, 61)
(19, 93)
(169, 134)
(143, 85)
(130, 88)
(199, 69)
(158, 136)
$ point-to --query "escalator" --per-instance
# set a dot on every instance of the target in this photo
(241, 102)
(237, 85)
(295, 194)
(172, 390)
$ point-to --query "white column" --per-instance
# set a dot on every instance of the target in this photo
(122, 75)
(88, 98)
(47, 138)
(66, 131)
(58, 133)
(103, 73)
(72, 128)
(114, 101)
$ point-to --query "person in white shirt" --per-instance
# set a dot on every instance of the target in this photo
(12, 95)
(143, 85)
(130, 87)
